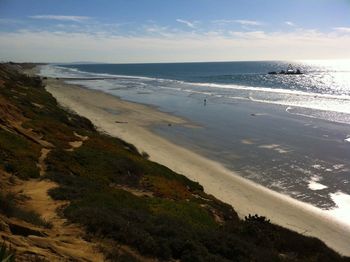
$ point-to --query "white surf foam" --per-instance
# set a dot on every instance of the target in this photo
(342, 211)
(289, 98)
(314, 185)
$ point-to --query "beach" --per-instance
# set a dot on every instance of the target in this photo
(132, 122)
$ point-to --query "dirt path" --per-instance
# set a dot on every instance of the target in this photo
(41, 162)
(63, 241)
(78, 143)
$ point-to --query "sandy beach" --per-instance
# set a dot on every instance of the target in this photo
(130, 122)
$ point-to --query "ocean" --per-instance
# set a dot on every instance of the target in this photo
(290, 133)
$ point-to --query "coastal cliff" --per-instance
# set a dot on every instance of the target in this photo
(72, 193)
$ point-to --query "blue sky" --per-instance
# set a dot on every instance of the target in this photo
(172, 31)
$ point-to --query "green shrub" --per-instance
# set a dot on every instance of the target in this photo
(7, 203)
(6, 253)
(256, 219)
(19, 156)
(145, 155)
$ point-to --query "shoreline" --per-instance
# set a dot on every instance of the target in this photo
(129, 121)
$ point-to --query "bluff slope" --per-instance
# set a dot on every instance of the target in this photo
(70, 193)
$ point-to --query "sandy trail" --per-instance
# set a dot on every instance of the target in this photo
(106, 112)
(63, 241)
(78, 143)
(41, 162)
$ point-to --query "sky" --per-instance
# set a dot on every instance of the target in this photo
(143, 31)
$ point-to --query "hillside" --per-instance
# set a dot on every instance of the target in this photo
(71, 193)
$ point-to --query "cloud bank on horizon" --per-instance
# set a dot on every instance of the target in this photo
(175, 31)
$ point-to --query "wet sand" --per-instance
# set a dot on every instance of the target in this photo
(131, 122)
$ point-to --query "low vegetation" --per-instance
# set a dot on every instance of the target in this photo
(118, 195)
(13, 148)
(6, 254)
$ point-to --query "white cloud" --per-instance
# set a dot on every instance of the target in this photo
(249, 35)
(186, 22)
(342, 29)
(48, 46)
(158, 30)
(248, 22)
(290, 23)
(61, 17)
(242, 22)
(223, 21)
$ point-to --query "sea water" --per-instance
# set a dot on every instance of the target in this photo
(290, 133)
